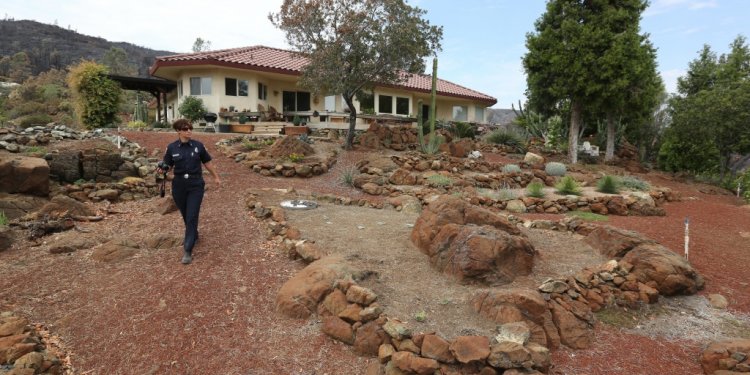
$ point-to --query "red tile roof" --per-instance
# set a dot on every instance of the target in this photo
(288, 62)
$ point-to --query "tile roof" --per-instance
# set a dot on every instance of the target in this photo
(288, 62)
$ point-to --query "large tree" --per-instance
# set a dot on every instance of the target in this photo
(710, 113)
(588, 56)
(352, 45)
(626, 71)
(96, 97)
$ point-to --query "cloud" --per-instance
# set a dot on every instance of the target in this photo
(670, 78)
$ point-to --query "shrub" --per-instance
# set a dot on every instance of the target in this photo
(35, 151)
(3, 218)
(568, 186)
(535, 189)
(634, 183)
(159, 125)
(511, 168)
(97, 98)
(192, 108)
(608, 185)
(554, 168)
(251, 146)
(294, 157)
(438, 180)
(589, 216)
(347, 176)
(508, 138)
(32, 120)
(136, 125)
(462, 130)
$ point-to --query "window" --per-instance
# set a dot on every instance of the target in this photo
(200, 85)
(460, 113)
(179, 89)
(295, 101)
(235, 87)
(230, 86)
(479, 114)
(402, 106)
(262, 91)
(330, 103)
(385, 104)
(366, 102)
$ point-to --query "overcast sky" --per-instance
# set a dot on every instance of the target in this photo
(483, 40)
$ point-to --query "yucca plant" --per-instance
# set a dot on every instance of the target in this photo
(554, 168)
(568, 186)
(535, 189)
(347, 176)
(608, 185)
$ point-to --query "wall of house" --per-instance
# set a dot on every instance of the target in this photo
(276, 84)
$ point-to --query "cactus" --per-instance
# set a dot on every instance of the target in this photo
(431, 146)
(140, 112)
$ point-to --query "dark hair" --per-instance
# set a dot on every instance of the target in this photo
(181, 124)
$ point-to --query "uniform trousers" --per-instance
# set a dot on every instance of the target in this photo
(188, 196)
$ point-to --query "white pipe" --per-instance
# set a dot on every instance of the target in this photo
(687, 237)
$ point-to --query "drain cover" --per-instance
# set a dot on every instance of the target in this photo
(299, 204)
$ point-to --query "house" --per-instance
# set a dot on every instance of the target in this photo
(260, 82)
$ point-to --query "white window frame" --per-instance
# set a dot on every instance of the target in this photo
(237, 83)
(262, 91)
(463, 115)
(479, 114)
(204, 86)
(179, 89)
(330, 103)
(408, 106)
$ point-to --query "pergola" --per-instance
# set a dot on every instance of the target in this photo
(156, 86)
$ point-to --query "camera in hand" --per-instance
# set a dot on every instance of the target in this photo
(164, 168)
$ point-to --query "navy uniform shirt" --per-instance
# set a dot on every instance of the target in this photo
(186, 158)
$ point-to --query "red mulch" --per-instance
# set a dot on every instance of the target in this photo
(200, 321)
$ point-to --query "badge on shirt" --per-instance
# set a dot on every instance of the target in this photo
(196, 149)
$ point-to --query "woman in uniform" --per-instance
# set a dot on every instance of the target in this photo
(185, 157)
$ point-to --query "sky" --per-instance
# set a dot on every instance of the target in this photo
(483, 40)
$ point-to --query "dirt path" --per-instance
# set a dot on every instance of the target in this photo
(151, 315)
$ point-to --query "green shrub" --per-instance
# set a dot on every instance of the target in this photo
(35, 151)
(294, 157)
(192, 108)
(462, 130)
(506, 193)
(634, 183)
(3, 218)
(554, 168)
(568, 186)
(136, 125)
(535, 189)
(589, 216)
(347, 176)
(438, 180)
(508, 138)
(159, 125)
(511, 168)
(97, 98)
(251, 146)
(608, 185)
(32, 120)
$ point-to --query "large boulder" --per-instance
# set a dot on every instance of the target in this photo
(300, 295)
(62, 205)
(614, 242)
(472, 243)
(22, 174)
(115, 250)
(19, 205)
(481, 253)
(670, 272)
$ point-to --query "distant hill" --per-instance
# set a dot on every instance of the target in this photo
(50, 46)
(501, 116)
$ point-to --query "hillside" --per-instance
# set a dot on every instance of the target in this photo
(50, 46)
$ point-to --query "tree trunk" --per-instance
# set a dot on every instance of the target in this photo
(610, 153)
(575, 124)
(352, 122)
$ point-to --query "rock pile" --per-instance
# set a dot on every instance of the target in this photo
(726, 357)
(24, 349)
(23, 140)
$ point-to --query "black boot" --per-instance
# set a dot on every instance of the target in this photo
(187, 257)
